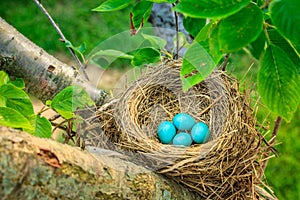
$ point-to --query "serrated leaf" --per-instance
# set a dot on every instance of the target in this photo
(12, 118)
(281, 42)
(141, 12)
(16, 99)
(41, 126)
(210, 9)
(193, 25)
(145, 56)
(279, 83)
(4, 78)
(197, 64)
(69, 100)
(285, 16)
(112, 5)
(155, 41)
(240, 29)
(257, 47)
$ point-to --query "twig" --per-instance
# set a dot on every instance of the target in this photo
(63, 38)
(225, 62)
(70, 133)
(275, 130)
(177, 29)
(271, 142)
(53, 118)
(43, 109)
(266, 4)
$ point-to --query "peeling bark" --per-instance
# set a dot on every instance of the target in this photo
(36, 168)
(43, 74)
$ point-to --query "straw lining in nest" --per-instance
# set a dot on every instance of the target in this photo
(224, 167)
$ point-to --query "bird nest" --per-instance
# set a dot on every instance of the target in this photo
(226, 167)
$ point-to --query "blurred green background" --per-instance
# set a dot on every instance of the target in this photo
(80, 24)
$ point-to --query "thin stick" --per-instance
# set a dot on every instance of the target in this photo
(272, 142)
(63, 38)
(176, 31)
(225, 62)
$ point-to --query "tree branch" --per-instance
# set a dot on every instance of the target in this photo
(176, 33)
(43, 74)
(39, 168)
(271, 142)
(63, 38)
(224, 64)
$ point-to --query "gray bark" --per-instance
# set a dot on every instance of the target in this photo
(43, 74)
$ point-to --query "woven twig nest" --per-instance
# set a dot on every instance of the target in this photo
(223, 168)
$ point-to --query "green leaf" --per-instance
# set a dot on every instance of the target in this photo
(141, 12)
(182, 40)
(16, 99)
(4, 78)
(259, 2)
(156, 42)
(162, 1)
(69, 100)
(210, 9)
(285, 16)
(197, 64)
(41, 126)
(214, 45)
(48, 103)
(208, 39)
(12, 118)
(193, 25)
(145, 56)
(19, 83)
(80, 49)
(109, 56)
(257, 47)
(281, 42)
(240, 29)
(204, 32)
(112, 5)
(279, 83)
(112, 53)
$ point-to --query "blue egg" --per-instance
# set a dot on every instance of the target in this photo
(200, 133)
(183, 121)
(183, 139)
(166, 132)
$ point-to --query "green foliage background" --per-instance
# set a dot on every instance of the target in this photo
(80, 24)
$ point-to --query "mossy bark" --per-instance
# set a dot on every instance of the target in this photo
(36, 168)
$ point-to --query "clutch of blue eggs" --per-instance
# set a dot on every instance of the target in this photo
(183, 131)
